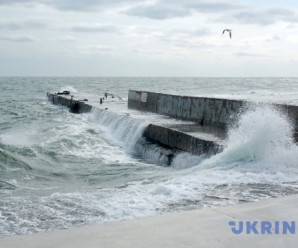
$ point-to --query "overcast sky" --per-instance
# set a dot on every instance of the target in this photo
(148, 38)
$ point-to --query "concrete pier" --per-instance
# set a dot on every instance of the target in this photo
(212, 112)
(172, 137)
(199, 228)
(206, 119)
(75, 106)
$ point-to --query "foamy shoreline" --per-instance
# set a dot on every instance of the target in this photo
(197, 228)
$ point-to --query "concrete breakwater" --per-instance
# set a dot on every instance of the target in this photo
(205, 111)
(180, 141)
(208, 117)
(172, 139)
(75, 106)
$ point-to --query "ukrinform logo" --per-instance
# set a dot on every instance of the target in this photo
(263, 227)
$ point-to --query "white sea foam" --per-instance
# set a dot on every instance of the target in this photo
(24, 136)
(262, 139)
(128, 133)
(139, 200)
(80, 138)
(185, 160)
(121, 128)
(259, 162)
(68, 88)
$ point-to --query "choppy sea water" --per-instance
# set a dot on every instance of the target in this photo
(59, 170)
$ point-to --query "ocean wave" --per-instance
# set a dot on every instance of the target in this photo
(9, 160)
(262, 139)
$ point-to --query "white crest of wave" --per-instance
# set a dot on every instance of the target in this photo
(262, 138)
(68, 88)
(128, 133)
(185, 160)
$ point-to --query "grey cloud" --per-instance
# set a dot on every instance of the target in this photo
(20, 39)
(8, 2)
(273, 38)
(244, 54)
(76, 5)
(200, 32)
(166, 9)
(276, 37)
(248, 17)
(234, 12)
(65, 39)
(71, 5)
(214, 7)
(292, 26)
(158, 12)
(95, 27)
(265, 17)
(280, 12)
(251, 55)
(27, 24)
(186, 38)
(100, 49)
(103, 48)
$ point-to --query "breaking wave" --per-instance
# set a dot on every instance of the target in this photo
(68, 88)
(261, 139)
(82, 172)
(128, 133)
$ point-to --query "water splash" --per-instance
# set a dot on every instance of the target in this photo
(123, 129)
(185, 160)
(68, 88)
(261, 139)
(128, 133)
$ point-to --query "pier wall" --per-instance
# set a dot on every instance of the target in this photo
(171, 141)
(180, 141)
(75, 106)
(205, 111)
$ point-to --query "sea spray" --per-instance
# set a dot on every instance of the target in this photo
(185, 160)
(128, 133)
(262, 138)
(68, 88)
(83, 176)
(123, 129)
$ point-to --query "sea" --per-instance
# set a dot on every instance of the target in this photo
(61, 170)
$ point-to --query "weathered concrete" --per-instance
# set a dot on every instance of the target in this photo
(173, 139)
(205, 111)
(170, 138)
(75, 106)
(191, 229)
